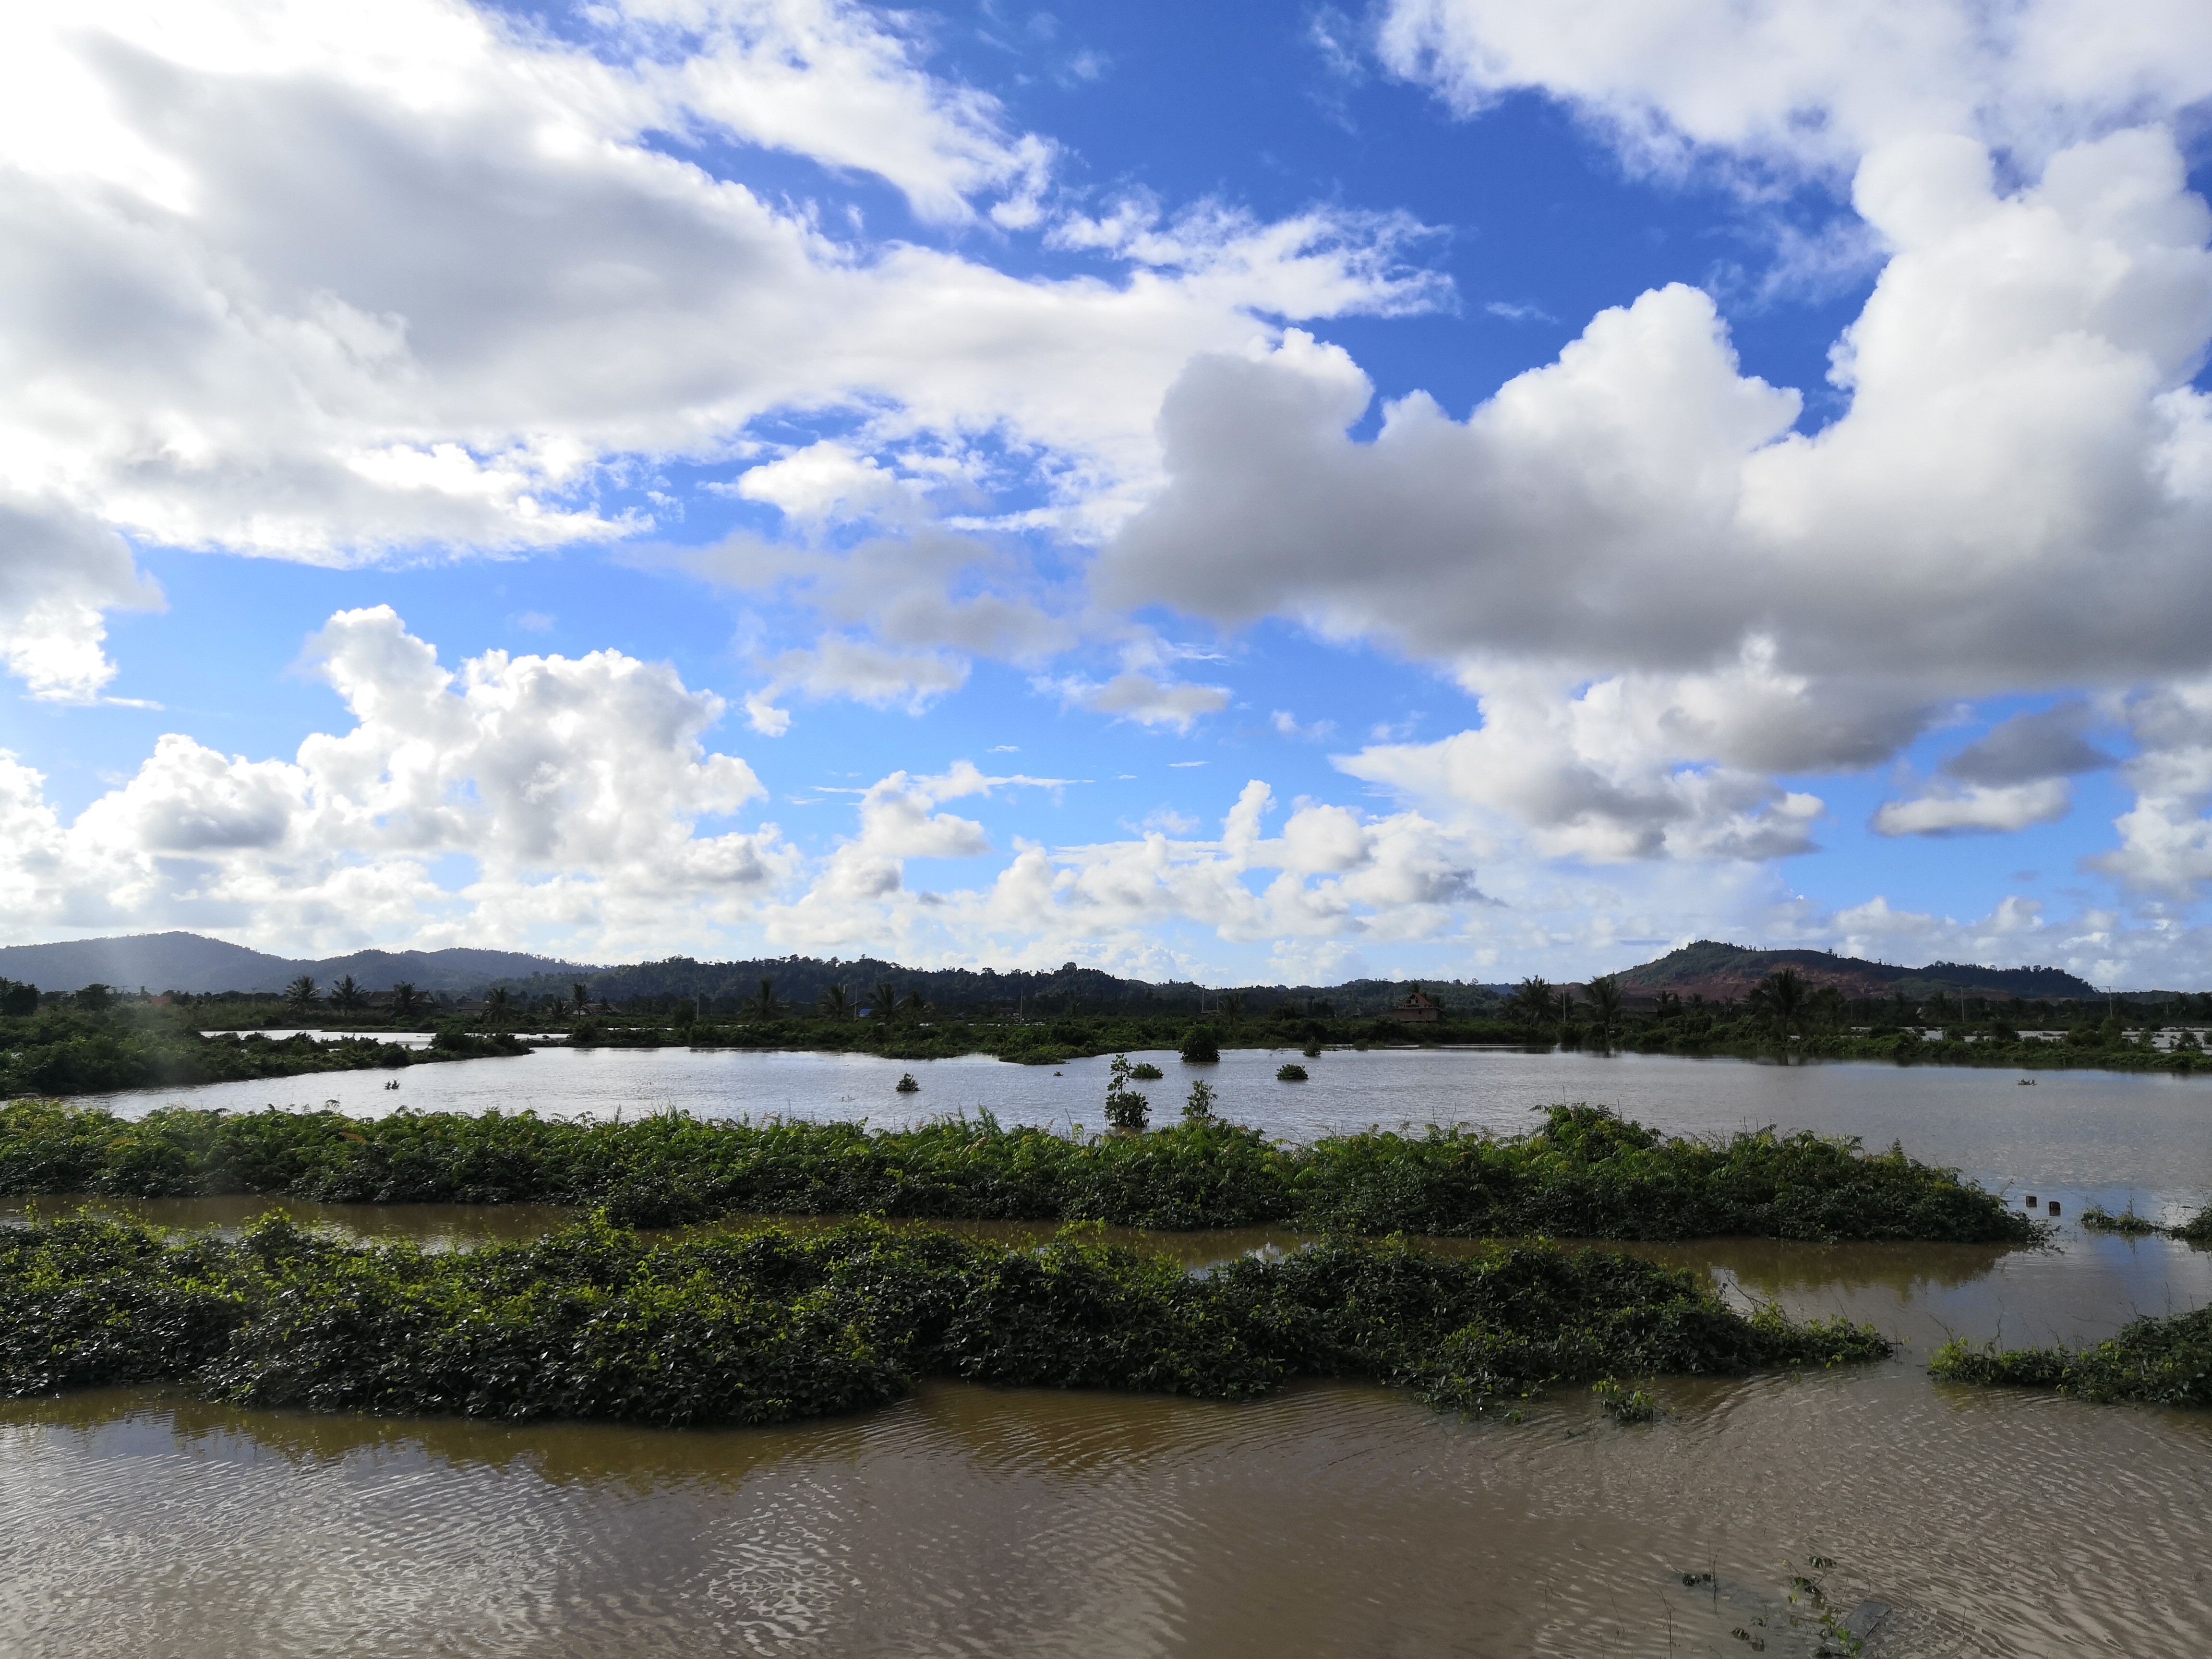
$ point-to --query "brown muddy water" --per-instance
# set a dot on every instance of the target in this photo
(1330, 1520)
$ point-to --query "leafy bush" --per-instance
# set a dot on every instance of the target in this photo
(768, 1325)
(1200, 1044)
(1290, 1073)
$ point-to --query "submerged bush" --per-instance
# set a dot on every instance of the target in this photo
(768, 1324)
(2163, 1362)
(1585, 1173)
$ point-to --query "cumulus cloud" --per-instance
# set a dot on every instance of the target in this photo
(1813, 83)
(1640, 526)
(317, 283)
(60, 573)
(571, 789)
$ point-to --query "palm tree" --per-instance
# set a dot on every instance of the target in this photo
(765, 1005)
(915, 1005)
(581, 996)
(299, 995)
(834, 1003)
(1781, 998)
(1605, 1004)
(883, 999)
(1531, 1004)
(496, 1008)
(346, 995)
(404, 999)
(1826, 1005)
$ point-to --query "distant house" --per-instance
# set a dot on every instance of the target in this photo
(469, 1006)
(1417, 1007)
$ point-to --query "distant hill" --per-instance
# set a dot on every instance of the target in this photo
(1723, 973)
(190, 961)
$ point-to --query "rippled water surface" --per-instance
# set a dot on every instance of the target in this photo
(1328, 1521)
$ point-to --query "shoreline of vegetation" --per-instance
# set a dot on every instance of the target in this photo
(771, 1325)
(1582, 1173)
(2151, 1361)
(69, 1053)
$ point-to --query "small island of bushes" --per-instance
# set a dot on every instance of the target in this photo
(770, 1324)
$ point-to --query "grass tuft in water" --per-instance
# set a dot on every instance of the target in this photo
(2098, 1220)
(771, 1324)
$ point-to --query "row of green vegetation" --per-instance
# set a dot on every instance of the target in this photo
(2162, 1362)
(1584, 1173)
(771, 1324)
(71, 1051)
(1784, 1015)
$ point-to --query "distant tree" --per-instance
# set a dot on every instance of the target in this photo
(581, 996)
(834, 1003)
(915, 1005)
(406, 999)
(498, 1008)
(883, 999)
(1200, 1106)
(1605, 1005)
(764, 1005)
(299, 996)
(94, 997)
(18, 998)
(346, 995)
(1232, 1009)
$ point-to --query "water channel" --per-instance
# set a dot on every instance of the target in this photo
(1328, 1519)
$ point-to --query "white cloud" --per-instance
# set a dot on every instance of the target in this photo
(1664, 594)
(1814, 83)
(2001, 808)
(319, 283)
(60, 573)
(573, 787)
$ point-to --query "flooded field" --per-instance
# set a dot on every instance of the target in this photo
(2088, 1137)
(1328, 1519)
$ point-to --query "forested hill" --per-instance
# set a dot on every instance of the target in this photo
(720, 987)
(191, 962)
(1724, 972)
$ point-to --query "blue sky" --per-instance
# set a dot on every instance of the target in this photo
(1258, 493)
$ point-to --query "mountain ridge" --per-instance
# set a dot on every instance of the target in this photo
(1724, 972)
(180, 960)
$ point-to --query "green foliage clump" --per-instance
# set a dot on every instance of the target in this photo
(1200, 1045)
(1291, 1072)
(768, 1325)
(2162, 1362)
(1584, 1174)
